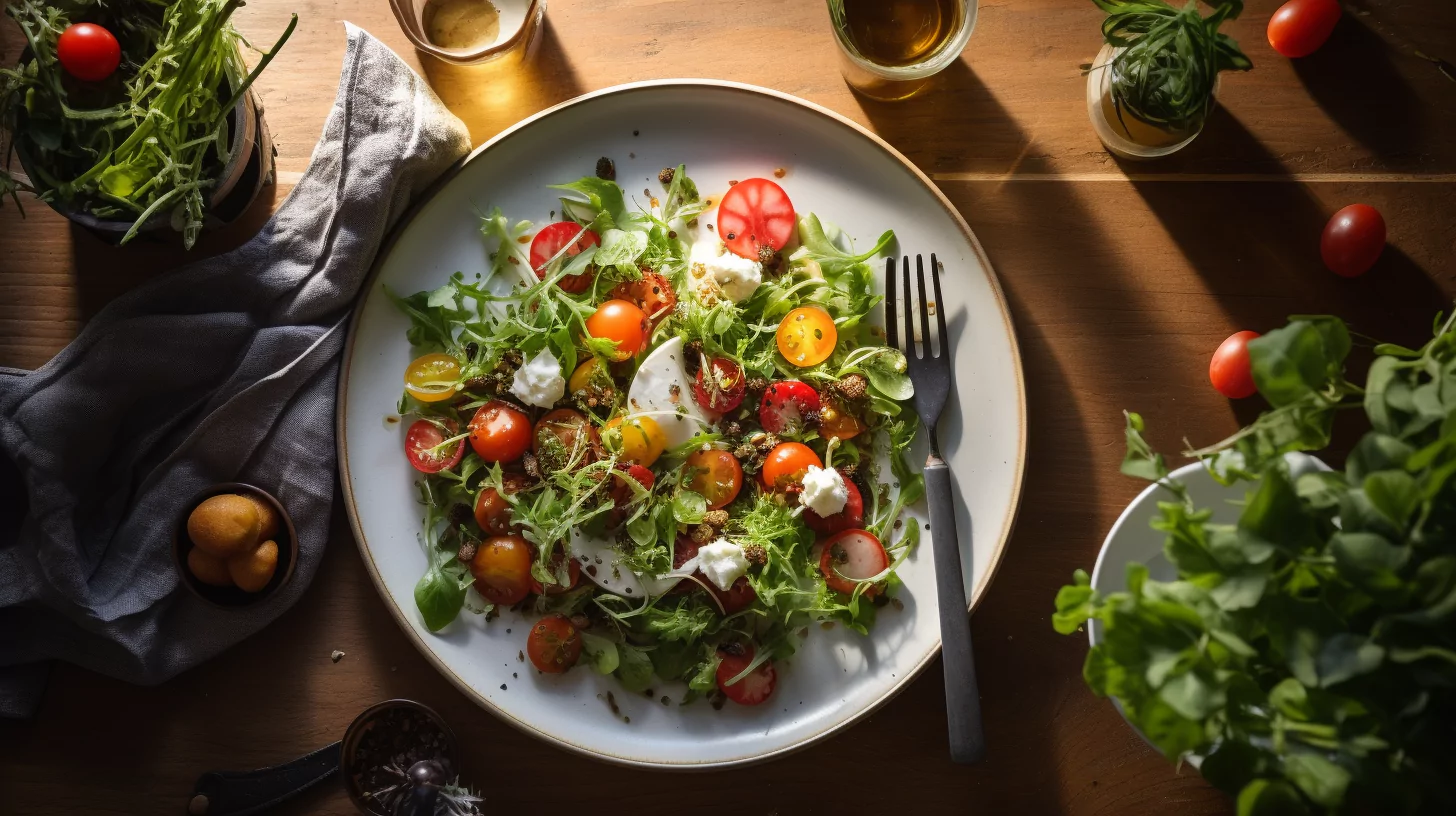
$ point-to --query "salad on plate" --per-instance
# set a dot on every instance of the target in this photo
(673, 444)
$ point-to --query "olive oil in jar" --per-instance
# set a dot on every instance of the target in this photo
(461, 23)
(898, 33)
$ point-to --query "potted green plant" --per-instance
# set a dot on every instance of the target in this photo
(134, 115)
(1306, 655)
(1155, 80)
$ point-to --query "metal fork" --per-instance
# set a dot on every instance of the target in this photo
(931, 374)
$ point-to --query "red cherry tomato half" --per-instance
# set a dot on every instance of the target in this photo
(1230, 370)
(850, 557)
(551, 239)
(784, 466)
(737, 597)
(621, 492)
(755, 213)
(500, 432)
(502, 569)
(421, 439)
(785, 404)
(622, 322)
(88, 52)
(851, 517)
(720, 385)
(753, 689)
(554, 644)
(716, 476)
(1300, 27)
(652, 293)
(683, 551)
(573, 571)
(1353, 240)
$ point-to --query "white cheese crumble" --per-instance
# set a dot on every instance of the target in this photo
(721, 562)
(717, 269)
(824, 491)
(539, 381)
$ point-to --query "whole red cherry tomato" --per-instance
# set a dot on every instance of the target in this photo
(1300, 27)
(1229, 370)
(88, 52)
(1353, 240)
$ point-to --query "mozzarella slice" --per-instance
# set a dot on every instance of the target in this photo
(663, 391)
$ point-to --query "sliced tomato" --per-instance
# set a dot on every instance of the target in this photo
(551, 239)
(785, 404)
(836, 422)
(558, 436)
(683, 551)
(621, 492)
(850, 557)
(554, 644)
(851, 517)
(652, 293)
(720, 385)
(424, 436)
(737, 597)
(753, 689)
(755, 213)
(573, 571)
(717, 476)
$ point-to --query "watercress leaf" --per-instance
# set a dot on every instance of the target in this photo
(1075, 604)
(1240, 591)
(1233, 763)
(673, 660)
(1270, 797)
(1289, 362)
(634, 669)
(1369, 560)
(621, 247)
(439, 597)
(1376, 451)
(1394, 493)
(887, 375)
(1275, 515)
(1347, 655)
(1141, 462)
(706, 678)
(688, 507)
(1321, 780)
(1173, 733)
(600, 653)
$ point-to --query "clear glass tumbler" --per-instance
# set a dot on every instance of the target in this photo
(890, 49)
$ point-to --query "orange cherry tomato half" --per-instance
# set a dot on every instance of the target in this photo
(623, 323)
(493, 512)
(432, 378)
(1353, 240)
(573, 571)
(717, 476)
(502, 569)
(753, 214)
(554, 645)
(837, 423)
(551, 239)
(1300, 27)
(784, 466)
(1230, 370)
(755, 687)
(807, 336)
(653, 294)
(851, 557)
(559, 434)
(421, 443)
(500, 432)
(88, 52)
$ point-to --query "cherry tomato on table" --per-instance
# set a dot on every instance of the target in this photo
(639, 439)
(850, 557)
(652, 293)
(88, 52)
(720, 385)
(1353, 240)
(500, 432)
(1230, 370)
(717, 476)
(784, 466)
(560, 433)
(551, 239)
(502, 569)
(849, 518)
(554, 645)
(807, 336)
(421, 443)
(493, 512)
(754, 688)
(1300, 27)
(622, 322)
(432, 378)
(785, 404)
(753, 214)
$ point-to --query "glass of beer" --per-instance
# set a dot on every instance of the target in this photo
(890, 49)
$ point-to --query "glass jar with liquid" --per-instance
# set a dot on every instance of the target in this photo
(890, 49)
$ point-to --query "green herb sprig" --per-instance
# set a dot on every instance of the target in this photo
(1170, 60)
(1308, 652)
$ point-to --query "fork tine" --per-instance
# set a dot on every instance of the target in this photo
(924, 309)
(892, 330)
(909, 310)
(944, 336)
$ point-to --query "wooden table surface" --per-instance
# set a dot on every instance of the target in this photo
(1121, 279)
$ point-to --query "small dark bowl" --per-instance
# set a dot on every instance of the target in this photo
(362, 724)
(231, 597)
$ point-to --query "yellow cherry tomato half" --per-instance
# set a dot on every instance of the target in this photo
(837, 423)
(807, 336)
(432, 378)
(639, 439)
(580, 379)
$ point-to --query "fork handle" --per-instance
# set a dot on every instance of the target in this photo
(962, 696)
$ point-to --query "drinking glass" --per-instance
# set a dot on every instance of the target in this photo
(890, 49)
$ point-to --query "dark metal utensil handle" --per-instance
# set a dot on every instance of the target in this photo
(237, 793)
(962, 696)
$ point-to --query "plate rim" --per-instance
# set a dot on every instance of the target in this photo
(345, 365)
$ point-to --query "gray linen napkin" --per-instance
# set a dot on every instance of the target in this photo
(224, 371)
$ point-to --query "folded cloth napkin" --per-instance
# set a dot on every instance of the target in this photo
(224, 371)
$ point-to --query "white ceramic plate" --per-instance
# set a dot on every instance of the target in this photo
(722, 132)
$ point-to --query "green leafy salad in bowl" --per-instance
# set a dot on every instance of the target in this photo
(661, 438)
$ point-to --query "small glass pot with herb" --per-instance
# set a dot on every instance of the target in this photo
(1155, 81)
